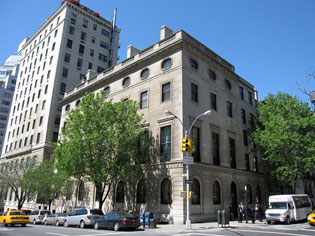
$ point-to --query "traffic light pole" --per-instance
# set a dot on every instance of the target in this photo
(188, 222)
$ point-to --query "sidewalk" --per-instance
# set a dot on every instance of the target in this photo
(199, 226)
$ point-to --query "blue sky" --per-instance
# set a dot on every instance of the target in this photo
(271, 43)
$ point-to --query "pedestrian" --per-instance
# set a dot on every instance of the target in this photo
(245, 213)
(240, 209)
(258, 212)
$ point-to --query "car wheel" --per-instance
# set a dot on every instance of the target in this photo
(23, 225)
(82, 224)
(96, 225)
(4, 223)
(57, 223)
(268, 222)
(116, 226)
(65, 224)
(45, 222)
(34, 222)
(288, 221)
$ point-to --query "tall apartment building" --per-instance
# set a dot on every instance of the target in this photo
(58, 55)
(181, 75)
(8, 78)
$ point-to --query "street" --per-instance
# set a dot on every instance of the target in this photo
(296, 229)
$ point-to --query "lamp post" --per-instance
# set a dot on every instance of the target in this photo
(186, 134)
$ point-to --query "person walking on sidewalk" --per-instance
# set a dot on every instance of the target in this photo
(240, 211)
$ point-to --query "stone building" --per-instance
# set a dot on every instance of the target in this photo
(55, 58)
(183, 76)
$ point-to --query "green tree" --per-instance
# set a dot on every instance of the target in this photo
(12, 177)
(99, 143)
(286, 133)
(47, 182)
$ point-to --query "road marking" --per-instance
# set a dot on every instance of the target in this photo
(56, 234)
(182, 234)
(272, 232)
(312, 230)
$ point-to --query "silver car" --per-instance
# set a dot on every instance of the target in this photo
(55, 219)
(83, 217)
(37, 216)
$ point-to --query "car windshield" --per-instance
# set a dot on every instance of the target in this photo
(124, 214)
(15, 213)
(97, 212)
(278, 205)
(45, 212)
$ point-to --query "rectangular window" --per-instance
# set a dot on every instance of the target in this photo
(50, 60)
(91, 52)
(63, 88)
(215, 149)
(48, 74)
(40, 121)
(102, 57)
(241, 93)
(213, 102)
(165, 140)
(247, 162)
(43, 105)
(83, 36)
(103, 45)
(229, 109)
(194, 92)
(245, 139)
(69, 43)
(79, 63)
(144, 100)
(100, 69)
(90, 66)
(93, 39)
(33, 126)
(73, 18)
(196, 140)
(250, 100)
(38, 138)
(95, 27)
(53, 47)
(71, 30)
(252, 121)
(166, 92)
(232, 153)
(243, 113)
(255, 160)
(31, 139)
(67, 57)
(105, 32)
(81, 50)
(85, 23)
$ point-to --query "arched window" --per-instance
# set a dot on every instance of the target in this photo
(195, 188)
(77, 104)
(216, 193)
(141, 191)
(258, 195)
(67, 108)
(81, 192)
(249, 195)
(166, 191)
(120, 192)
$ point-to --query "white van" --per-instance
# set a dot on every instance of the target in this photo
(287, 208)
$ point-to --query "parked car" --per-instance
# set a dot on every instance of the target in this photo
(37, 216)
(55, 219)
(117, 220)
(83, 217)
(13, 217)
(311, 218)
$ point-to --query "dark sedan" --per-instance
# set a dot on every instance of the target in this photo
(117, 221)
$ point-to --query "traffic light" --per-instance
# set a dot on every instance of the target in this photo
(187, 145)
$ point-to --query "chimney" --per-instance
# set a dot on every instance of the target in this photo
(131, 51)
(165, 32)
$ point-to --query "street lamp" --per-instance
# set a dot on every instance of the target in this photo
(208, 112)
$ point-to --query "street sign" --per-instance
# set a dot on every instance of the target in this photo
(188, 160)
(188, 181)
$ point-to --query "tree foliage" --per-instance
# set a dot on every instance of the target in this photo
(99, 142)
(47, 183)
(286, 134)
(12, 178)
